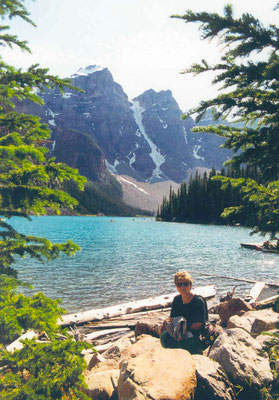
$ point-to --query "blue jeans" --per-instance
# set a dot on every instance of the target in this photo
(190, 344)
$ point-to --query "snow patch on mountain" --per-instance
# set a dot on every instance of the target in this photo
(51, 113)
(51, 122)
(133, 184)
(112, 168)
(67, 95)
(132, 158)
(88, 70)
(195, 152)
(155, 154)
(162, 122)
(185, 135)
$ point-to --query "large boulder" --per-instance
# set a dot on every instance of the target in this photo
(235, 306)
(151, 325)
(143, 343)
(101, 385)
(212, 381)
(242, 359)
(117, 349)
(154, 373)
(255, 322)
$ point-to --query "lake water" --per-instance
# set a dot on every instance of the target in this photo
(125, 259)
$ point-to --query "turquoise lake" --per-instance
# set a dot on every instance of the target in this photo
(125, 259)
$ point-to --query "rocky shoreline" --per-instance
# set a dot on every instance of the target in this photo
(136, 366)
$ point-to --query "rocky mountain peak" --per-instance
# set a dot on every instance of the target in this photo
(150, 98)
(90, 69)
(144, 138)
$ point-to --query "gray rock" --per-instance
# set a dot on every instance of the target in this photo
(150, 325)
(241, 357)
(255, 322)
(212, 381)
(119, 347)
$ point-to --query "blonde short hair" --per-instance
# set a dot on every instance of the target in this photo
(183, 276)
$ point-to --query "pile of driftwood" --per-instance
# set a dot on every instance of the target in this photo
(103, 327)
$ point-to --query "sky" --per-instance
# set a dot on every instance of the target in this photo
(135, 39)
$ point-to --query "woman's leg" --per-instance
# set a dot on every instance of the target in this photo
(168, 342)
(190, 344)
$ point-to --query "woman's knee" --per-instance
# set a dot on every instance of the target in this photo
(168, 342)
(164, 339)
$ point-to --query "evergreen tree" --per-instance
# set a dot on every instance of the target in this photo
(203, 200)
(31, 183)
(250, 96)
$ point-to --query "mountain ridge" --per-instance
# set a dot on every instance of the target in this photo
(144, 138)
(101, 131)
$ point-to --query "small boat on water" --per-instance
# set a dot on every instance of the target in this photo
(259, 247)
(251, 245)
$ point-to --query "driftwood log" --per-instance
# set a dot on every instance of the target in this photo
(152, 303)
(266, 303)
(255, 292)
(17, 344)
(103, 327)
(272, 284)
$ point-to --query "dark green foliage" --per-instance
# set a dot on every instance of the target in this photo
(50, 370)
(31, 183)
(260, 204)
(18, 313)
(43, 371)
(204, 199)
(251, 97)
(272, 348)
(105, 198)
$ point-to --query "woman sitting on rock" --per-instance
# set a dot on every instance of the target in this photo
(187, 319)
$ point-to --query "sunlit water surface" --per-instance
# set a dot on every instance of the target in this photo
(124, 259)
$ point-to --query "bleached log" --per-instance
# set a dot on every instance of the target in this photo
(108, 339)
(103, 347)
(272, 284)
(255, 291)
(17, 344)
(266, 302)
(95, 335)
(132, 316)
(206, 291)
(152, 303)
(124, 321)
